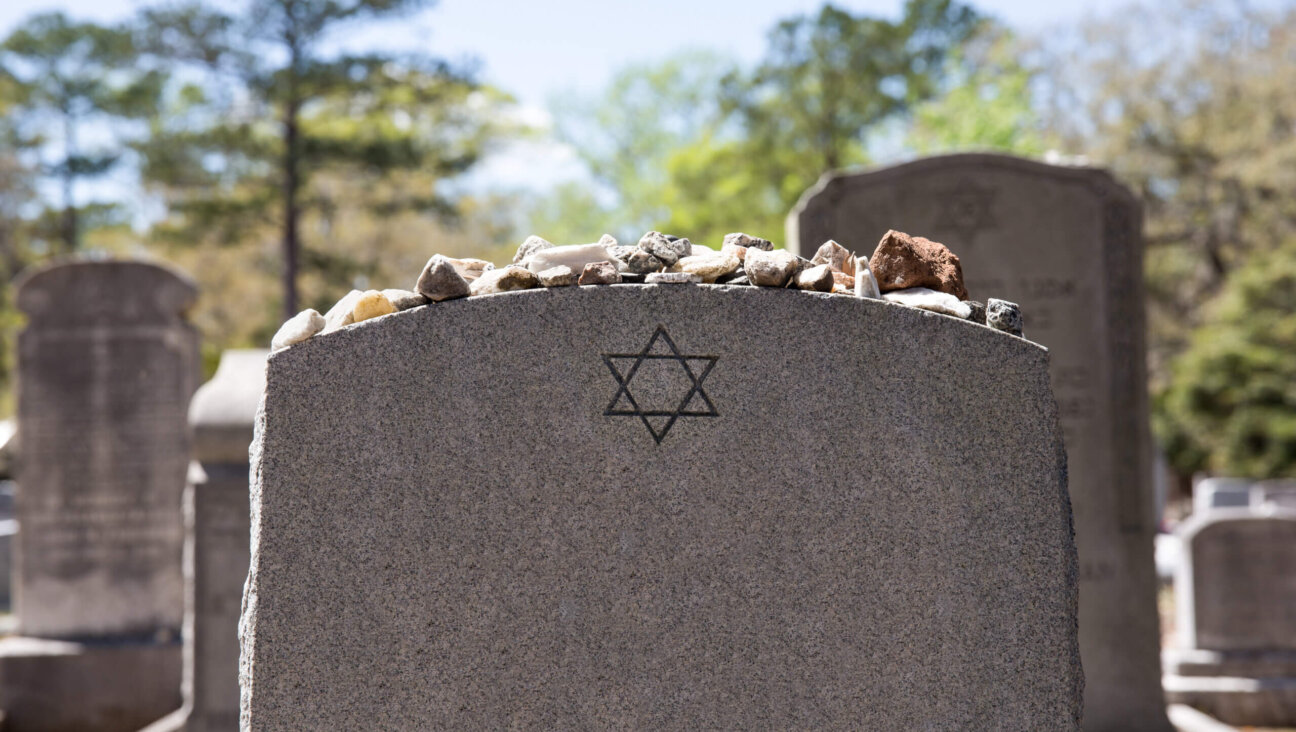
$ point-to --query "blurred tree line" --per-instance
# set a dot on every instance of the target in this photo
(282, 169)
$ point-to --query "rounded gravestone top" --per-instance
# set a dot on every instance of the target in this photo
(819, 307)
(224, 409)
(78, 292)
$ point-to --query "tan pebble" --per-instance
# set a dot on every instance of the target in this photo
(370, 305)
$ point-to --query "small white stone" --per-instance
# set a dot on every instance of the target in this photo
(572, 256)
(818, 278)
(560, 276)
(532, 245)
(441, 280)
(510, 278)
(710, 265)
(865, 283)
(734, 249)
(770, 268)
(834, 255)
(296, 329)
(404, 299)
(469, 268)
(669, 250)
(739, 239)
(340, 315)
(921, 297)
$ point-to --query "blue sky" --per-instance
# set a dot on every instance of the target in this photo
(536, 48)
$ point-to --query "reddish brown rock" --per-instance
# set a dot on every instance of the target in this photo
(902, 261)
(599, 273)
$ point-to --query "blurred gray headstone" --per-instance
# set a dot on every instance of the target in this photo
(1066, 244)
(106, 366)
(1235, 598)
(1212, 493)
(1279, 493)
(216, 542)
(8, 528)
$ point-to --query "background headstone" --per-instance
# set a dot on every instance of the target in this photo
(1066, 244)
(1212, 493)
(216, 542)
(619, 507)
(1235, 598)
(1278, 493)
(106, 366)
(8, 529)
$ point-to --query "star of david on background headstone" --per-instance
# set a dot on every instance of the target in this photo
(658, 408)
(966, 208)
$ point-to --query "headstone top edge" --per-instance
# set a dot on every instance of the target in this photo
(184, 287)
(223, 410)
(872, 175)
(1201, 521)
(463, 307)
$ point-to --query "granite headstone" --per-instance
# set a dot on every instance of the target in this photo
(1235, 598)
(1065, 243)
(106, 366)
(619, 507)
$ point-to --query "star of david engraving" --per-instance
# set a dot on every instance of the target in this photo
(966, 208)
(670, 385)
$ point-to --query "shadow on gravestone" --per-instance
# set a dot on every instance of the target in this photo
(106, 366)
(1235, 601)
(1066, 244)
(216, 542)
(618, 507)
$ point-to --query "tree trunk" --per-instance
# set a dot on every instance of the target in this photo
(291, 245)
(70, 223)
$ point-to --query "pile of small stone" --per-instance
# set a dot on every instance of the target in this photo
(908, 270)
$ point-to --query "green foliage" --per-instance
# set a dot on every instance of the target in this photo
(826, 83)
(16, 194)
(987, 105)
(700, 148)
(1230, 407)
(1199, 124)
(626, 137)
(65, 76)
(242, 151)
(828, 79)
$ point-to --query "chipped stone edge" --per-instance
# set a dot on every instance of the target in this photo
(250, 604)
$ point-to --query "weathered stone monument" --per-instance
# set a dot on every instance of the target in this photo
(106, 368)
(618, 507)
(216, 542)
(1066, 244)
(1235, 598)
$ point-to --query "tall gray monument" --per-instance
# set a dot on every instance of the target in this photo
(1066, 244)
(106, 366)
(619, 507)
(216, 542)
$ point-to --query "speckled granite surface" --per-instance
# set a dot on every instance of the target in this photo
(480, 514)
